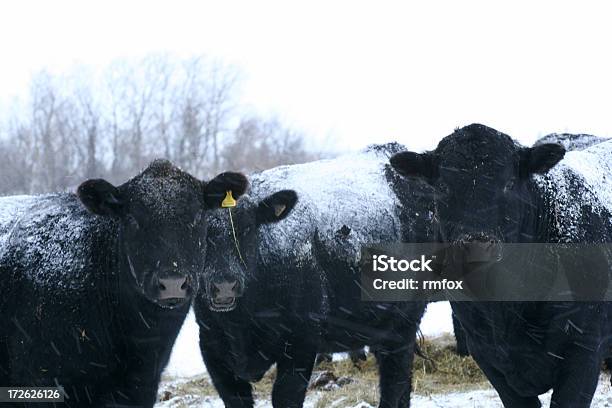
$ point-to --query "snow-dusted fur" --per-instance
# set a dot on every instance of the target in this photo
(301, 278)
(527, 348)
(571, 141)
(580, 184)
(74, 302)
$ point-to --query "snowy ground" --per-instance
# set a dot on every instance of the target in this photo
(489, 399)
(470, 399)
(186, 362)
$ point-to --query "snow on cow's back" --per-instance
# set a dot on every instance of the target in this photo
(351, 190)
(12, 209)
(46, 234)
(571, 141)
(595, 165)
(582, 178)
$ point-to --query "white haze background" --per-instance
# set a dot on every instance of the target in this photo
(351, 73)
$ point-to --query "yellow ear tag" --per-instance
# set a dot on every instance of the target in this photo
(229, 200)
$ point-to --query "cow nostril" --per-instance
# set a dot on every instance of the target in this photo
(225, 289)
(174, 287)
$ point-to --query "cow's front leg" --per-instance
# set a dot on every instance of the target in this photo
(4, 362)
(358, 356)
(576, 382)
(294, 368)
(510, 398)
(609, 367)
(136, 386)
(460, 338)
(395, 372)
(234, 391)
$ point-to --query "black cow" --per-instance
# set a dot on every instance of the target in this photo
(95, 285)
(570, 142)
(282, 291)
(491, 190)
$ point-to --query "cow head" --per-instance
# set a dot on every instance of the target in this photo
(233, 239)
(482, 188)
(161, 226)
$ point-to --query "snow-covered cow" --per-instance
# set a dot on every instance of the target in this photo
(490, 190)
(286, 285)
(95, 285)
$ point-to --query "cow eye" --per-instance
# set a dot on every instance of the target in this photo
(133, 222)
(443, 188)
(509, 185)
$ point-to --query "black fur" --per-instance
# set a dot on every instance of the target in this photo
(276, 207)
(541, 158)
(216, 189)
(101, 197)
(79, 308)
(299, 286)
(485, 190)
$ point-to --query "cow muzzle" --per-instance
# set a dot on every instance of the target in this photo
(173, 290)
(223, 295)
(479, 248)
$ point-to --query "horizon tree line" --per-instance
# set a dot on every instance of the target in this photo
(111, 124)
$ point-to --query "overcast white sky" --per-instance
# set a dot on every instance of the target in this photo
(358, 72)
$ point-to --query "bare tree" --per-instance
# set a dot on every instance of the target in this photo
(204, 104)
(83, 111)
(111, 123)
(259, 144)
(15, 151)
(14, 171)
(53, 149)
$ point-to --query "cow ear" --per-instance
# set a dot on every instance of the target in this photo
(411, 164)
(216, 189)
(541, 158)
(101, 197)
(276, 206)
